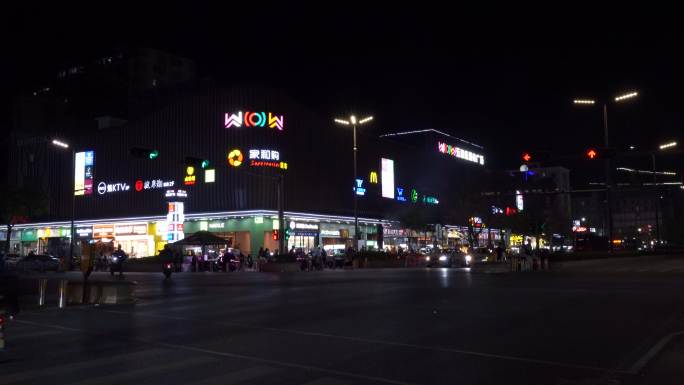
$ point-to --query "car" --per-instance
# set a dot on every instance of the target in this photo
(448, 258)
(38, 262)
(11, 259)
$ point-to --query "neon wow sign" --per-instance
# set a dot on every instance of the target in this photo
(254, 119)
(460, 153)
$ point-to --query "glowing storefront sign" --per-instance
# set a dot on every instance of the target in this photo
(84, 163)
(103, 231)
(430, 200)
(303, 226)
(460, 153)
(152, 184)
(373, 177)
(235, 158)
(84, 231)
(387, 176)
(103, 187)
(130, 229)
(400, 194)
(175, 219)
(360, 190)
(519, 202)
(210, 176)
(258, 219)
(217, 225)
(190, 176)
(264, 154)
(414, 195)
(330, 233)
(254, 119)
(176, 194)
(260, 163)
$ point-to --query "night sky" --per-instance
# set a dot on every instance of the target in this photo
(504, 81)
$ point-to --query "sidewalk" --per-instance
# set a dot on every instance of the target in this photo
(640, 264)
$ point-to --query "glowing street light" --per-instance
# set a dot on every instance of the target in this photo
(592, 154)
(628, 95)
(353, 122)
(667, 145)
(59, 143)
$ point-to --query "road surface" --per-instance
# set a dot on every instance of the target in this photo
(390, 326)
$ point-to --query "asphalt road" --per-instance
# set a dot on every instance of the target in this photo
(399, 326)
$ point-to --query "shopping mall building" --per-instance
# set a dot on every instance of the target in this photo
(250, 137)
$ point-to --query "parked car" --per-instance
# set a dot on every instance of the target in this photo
(11, 259)
(448, 258)
(38, 262)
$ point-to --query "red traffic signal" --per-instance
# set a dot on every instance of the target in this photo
(276, 235)
(526, 157)
(592, 154)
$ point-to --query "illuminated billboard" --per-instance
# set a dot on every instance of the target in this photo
(387, 177)
(254, 119)
(84, 162)
(460, 153)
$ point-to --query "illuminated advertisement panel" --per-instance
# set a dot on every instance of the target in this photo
(387, 177)
(83, 172)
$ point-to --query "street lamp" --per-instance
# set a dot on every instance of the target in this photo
(353, 122)
(61, 144)
(617, 99)
(662, 147)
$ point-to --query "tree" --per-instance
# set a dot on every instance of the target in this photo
(19, 205)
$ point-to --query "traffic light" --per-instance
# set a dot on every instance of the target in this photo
(535, 156)
(599, 153)
(276, 235)
(196, 162)
(144, 153)
(287, 234)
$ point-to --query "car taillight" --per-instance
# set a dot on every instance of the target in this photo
(2, 320)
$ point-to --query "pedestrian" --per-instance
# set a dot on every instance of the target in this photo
(250, 261)
(121, 257)
(528, 254)
(261, 252)
(193, 261)
(499, 253)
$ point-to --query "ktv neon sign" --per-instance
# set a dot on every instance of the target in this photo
(460, 153)
(254, 119)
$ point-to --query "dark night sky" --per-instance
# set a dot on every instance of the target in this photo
(504, 81)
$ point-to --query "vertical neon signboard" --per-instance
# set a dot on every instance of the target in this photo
(84, 162)
(387, 177)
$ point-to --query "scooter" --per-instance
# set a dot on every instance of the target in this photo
(114, 265)
(167, 269)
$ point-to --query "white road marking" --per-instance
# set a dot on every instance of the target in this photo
(651, 353)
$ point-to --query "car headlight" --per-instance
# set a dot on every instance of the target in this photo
(468, 258)
(427, 259)
(443, 258)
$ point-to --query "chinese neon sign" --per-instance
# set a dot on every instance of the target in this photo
(152, 184)
(254, 119)
(414, 195)
(190, 176)
(235, 158)
(360, 190)
(84, 162)
(460, 153)
(264, 154)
